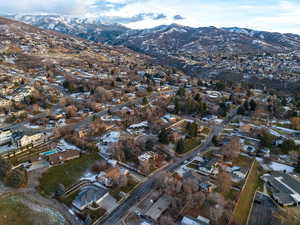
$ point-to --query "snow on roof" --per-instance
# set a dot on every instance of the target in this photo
(139, 125)
(111, 137)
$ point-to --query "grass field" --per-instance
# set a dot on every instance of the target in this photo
(244, 204)
(66, 174)
(13, 211)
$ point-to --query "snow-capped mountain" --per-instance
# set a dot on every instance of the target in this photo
(91, 29)
(176, 39)
(168, 40)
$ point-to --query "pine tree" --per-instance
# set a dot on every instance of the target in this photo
(180, 146)
(163, 137)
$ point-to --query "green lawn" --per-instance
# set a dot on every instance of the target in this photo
(191, 143)
(242, 161)
(243, 206)
(66, 174)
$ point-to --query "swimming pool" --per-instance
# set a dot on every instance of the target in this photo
(49, 153)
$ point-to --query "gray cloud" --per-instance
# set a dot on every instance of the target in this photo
(136, 18)
(178, 17)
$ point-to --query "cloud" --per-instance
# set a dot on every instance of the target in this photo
(178, 17)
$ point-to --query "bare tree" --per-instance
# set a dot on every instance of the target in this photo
(224, 179)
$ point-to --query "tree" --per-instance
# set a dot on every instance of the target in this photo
(215, 141)
(288, 145)
(224, 178)
(180, 146)
(60, 191)
(145, 101)
(16, 178)
(149, 145)
(233, 148)
(181, 92)
(241, 110)
(5, 167)
(297, 169)
(99, 166)
(266, 138)
(163, 136)
(253, 105)
(192, 129)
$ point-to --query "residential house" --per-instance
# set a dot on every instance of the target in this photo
(4, 102)
(61, 157)
(89, 195)
(209, 167)
(22, 140)
(158, 208)
(5, 136)
(285, 187)
(188, 220)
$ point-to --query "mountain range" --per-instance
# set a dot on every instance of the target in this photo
(168, 39)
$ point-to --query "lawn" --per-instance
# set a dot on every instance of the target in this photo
(66, 174)
(132, 183)
(191, 143)
(244, 204)
(14, 212)
(242, 161)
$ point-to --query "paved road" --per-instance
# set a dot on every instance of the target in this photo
(146, 187)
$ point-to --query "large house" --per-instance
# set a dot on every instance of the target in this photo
(5, 136)
(61, 157)
(285, 187)
(88, 196)
(208, 167)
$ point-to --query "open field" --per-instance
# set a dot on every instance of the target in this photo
(18, 210)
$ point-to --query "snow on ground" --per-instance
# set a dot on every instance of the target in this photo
(28, 125)
(290, 131)
(275, 166)
(89, 176)
(63, 145)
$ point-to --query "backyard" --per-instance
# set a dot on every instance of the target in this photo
(66, 174)
(243, 206)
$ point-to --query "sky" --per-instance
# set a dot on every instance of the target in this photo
(269, 15)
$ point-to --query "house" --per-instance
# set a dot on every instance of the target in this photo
(35, 139)
(158, 208)
(188, 220)
(83, 132)
(285, 188)
(4, 102)
(208, 167)
(5, 136)
(138, 128)
(89, 195)
(111, 176)
(62, 157)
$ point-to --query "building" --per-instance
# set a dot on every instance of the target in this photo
(4, 102)
(158, 208)
(285, 188)
(208, 167)
(22, 140)
(5, 136)
(88, 196)
(188, 220)
(64, 156)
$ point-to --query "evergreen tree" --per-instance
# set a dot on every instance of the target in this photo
(163, 136)
(180, 146)
(5, 167)
(145, 101)
(181, 92)
(253, 105)
(297, 169)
